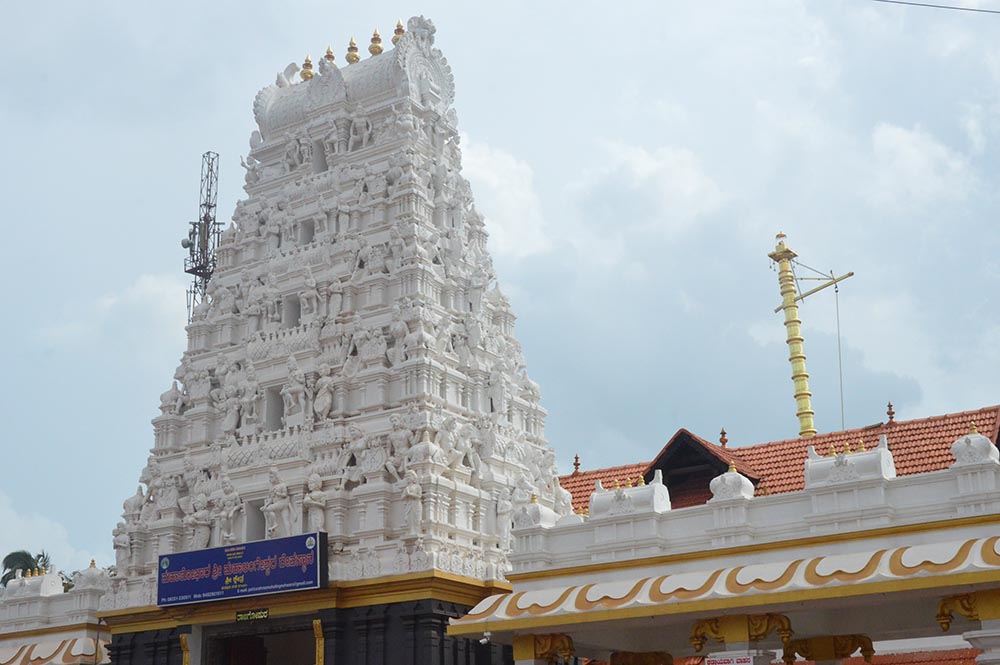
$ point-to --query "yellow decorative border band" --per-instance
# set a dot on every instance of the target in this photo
(924, 566)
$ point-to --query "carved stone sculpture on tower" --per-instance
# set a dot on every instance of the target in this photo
(277, 508)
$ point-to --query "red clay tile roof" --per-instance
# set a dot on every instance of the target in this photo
(581, 484)
(917, 446)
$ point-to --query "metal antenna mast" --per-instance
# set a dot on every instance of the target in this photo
(203, 237)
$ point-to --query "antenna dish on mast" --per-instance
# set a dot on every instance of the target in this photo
(203, 237)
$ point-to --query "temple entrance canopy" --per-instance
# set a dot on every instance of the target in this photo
(859, 556)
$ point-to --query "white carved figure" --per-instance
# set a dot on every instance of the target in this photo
(563, 499)
(309, 298)
(505, 520)
(361, 133)
(132, 506)
(122, 544)
(412, 503)
(277, 508)
(227, 506)
(315, 504)
(323, 393)
(293, 393)
(199, 523)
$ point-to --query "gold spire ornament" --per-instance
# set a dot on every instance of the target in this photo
(307, 69)
(642, 481)
(732, 466)
(397, 34)
(375, 48)
(783, 255)
(972, 428)
(352, 52)
(329, 54)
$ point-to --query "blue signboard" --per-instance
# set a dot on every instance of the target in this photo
(238, 571)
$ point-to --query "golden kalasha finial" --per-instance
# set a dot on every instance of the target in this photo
(891, 413)
(861, 445)
(723, 439)
(307, 69)
(628, 481)
(329, 54)
(617, 484)
(972, 428)
(375, 48)
(732, 466)
(93, 564)
(642, 481)
(42, 570)
(352, 52)
(398, 32)
(847, 448)
(534, 498)
(833, 451)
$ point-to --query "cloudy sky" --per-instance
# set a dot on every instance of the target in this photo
(633, 163)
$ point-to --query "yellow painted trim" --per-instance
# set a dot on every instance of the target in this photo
(54, 629)
(431, 584)
(738, 550)
(524, 647)
(756, 600)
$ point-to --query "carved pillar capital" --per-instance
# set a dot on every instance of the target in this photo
(976, 606)
(641, 658)
(740, 628)
(829, 647)
(543, 648)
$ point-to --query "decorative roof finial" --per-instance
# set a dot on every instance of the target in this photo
(329, 54)
(723, 439)
(847, 448)
(534, 498)
(93, 564)
(617, 485)
(642, 481)
(307, 69)
(891, 413)
(398, 32)
(352, 52)
(375, 48)
(732, 466)
(861, 445)
(628, 481)
(576, 465)
(972, 428)
(833, 451)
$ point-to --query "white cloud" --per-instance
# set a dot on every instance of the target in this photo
(505, 193)
(25, 530)
(156, 300)
(673, 177)
(913, 169)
